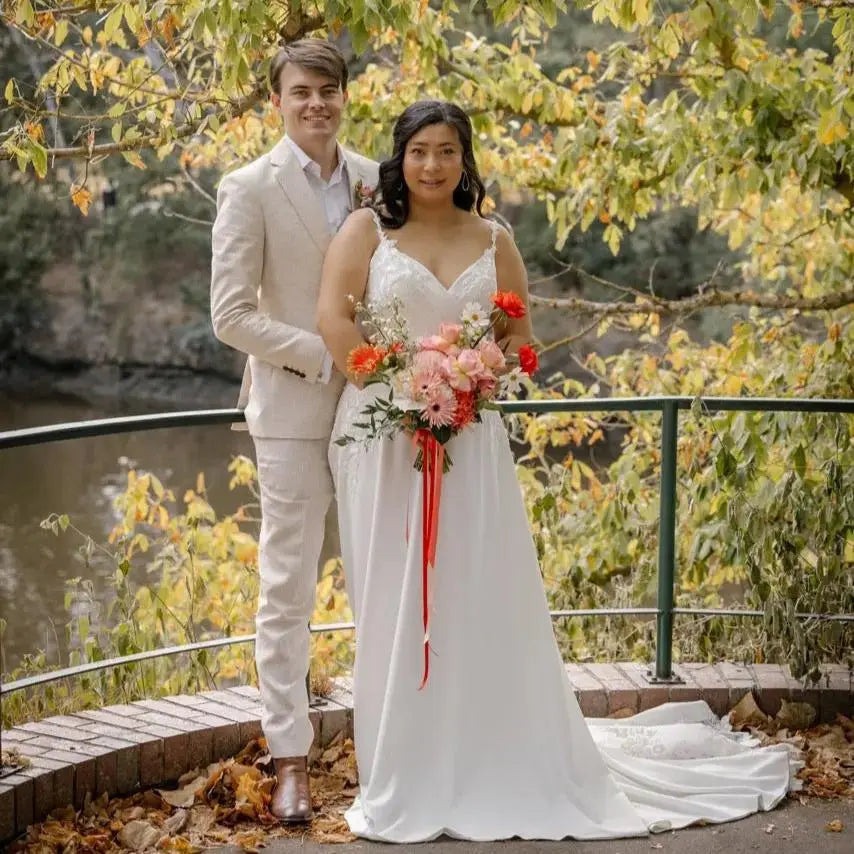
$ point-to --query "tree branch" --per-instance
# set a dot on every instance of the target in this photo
(237, 109)
(707, 299)
(830, 4)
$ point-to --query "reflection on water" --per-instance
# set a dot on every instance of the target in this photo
(81, 477)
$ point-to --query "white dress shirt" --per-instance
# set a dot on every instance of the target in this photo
(334, 198)
(334, 194)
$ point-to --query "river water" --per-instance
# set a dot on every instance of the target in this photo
(81, 477)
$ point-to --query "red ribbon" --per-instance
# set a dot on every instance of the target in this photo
(432, 467)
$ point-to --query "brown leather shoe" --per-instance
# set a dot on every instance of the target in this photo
(292, 795)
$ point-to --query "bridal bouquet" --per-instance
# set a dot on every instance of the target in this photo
(437, 386)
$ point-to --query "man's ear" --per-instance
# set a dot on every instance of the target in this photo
(346, 94)
(276, 100)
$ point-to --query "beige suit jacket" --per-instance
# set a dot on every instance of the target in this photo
(269, 240)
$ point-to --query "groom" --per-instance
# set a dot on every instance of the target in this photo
(275, 218)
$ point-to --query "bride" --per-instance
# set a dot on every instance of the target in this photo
(494, 745)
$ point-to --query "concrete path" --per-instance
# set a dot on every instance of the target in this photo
(790, 829)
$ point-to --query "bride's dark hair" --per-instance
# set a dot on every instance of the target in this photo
(394, 194)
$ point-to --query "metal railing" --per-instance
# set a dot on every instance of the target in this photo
(664, 611)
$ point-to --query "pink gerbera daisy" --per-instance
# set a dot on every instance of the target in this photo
(439, 407)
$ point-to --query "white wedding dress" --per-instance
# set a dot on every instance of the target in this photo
(495, 745)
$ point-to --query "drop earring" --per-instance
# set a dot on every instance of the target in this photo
(465, 184)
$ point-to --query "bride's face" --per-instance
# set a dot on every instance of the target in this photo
(433, 163)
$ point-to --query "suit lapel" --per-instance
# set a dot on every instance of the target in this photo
(292, 180)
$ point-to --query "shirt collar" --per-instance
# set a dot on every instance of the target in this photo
(309, 165)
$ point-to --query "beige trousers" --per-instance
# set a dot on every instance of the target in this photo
(296, 498)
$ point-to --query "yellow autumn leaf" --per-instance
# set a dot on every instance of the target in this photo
(834, 133)
(82, 198)
(733, 385)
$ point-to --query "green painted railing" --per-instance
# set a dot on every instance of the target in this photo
(664, 611)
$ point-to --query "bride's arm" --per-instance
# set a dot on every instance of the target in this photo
(512, 333)
(342, 284)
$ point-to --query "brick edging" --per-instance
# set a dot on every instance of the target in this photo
(119, 749)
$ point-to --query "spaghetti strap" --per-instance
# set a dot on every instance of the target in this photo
(379, 225)
(495, 227)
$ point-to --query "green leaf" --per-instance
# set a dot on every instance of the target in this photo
(24, 13)
(113, 22)
(38, 157)
(799, 461)
(9, 93)
(60, 31)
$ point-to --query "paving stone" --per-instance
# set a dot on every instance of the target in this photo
(334, 719)
(15, 736)
(838, 677)
(132, 736)
(63, 779)
(170, 721)
(151, 763)
(200, 751)
(714, 689)
(127, 763)
(176, 756)
(251, 729)
(166, 707)
(622, 693)
(772, 686)
(589, 691)
(650, 695)
(226, 741)
(230, 713)
(84, 773)
(43, 790)
(231, 699)
(102, 716)
(64, 732)
(31, 748)
(125, 710)
(835, 702)
(24, 789)
(7, 812)
(247, 691)
(83, 748)
(738, 677)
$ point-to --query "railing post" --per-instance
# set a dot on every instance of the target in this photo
(666, 543)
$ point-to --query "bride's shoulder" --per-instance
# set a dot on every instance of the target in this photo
(362, 224)
(501, 236)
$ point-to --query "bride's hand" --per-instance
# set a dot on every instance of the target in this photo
(510, 345)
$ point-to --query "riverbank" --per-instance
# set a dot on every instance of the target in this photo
(113, 385)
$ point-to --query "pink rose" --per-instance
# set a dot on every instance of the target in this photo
(435, 342)
(465, 370)
(486, 385)
(450, 332)
(491, 354)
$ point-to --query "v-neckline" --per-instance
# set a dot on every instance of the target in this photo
(446, 288)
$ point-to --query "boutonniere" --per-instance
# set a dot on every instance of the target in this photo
(363, 195)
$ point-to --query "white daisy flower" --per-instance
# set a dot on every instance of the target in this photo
(512, 381)
(475, 315)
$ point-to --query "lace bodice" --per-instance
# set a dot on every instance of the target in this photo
(425, 300)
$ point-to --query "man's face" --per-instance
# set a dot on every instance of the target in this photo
(311, 105)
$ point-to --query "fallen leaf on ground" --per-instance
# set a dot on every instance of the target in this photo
(746, 713)
(834, 826)
(140, 835)
(184, 797)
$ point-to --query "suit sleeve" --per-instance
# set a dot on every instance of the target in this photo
(237, 258)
